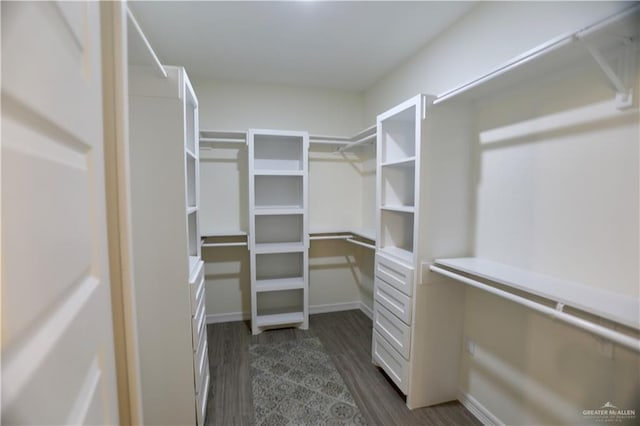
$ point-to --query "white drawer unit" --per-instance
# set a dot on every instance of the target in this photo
(196, 287)
(390, 361)
(201, 360)
(198, 324)
(201, 396)
(419, 218)
(396, 274)
(397, 333)
(396, 302)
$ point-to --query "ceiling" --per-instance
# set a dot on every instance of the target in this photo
(339, 45)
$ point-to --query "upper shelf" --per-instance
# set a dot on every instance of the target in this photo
(617, 30)
(140, 51)
(615, 307)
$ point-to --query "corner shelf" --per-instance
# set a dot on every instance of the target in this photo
(288, 318)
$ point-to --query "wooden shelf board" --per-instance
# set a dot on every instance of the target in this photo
(405, 162)
(265, 248)
(284, 210)
(279, 319)
(280, 284)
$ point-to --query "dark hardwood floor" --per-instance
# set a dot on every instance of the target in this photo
(347, 338)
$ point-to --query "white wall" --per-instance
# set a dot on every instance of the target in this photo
(489, 35)
(335, 186)
(564, 202)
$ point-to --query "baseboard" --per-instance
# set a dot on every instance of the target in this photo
(314, 309)
(366, 310)
(485, 416)
(333, 307)
(230, 317)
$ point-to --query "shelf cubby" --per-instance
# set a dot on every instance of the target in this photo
(398, 136)
(397, 231)
(278, 152)
(279, 192)
(398, 185)
(279, 229)
(271, 266)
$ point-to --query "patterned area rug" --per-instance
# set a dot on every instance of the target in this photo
(296, 383)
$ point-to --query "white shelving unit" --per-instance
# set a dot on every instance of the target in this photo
(409, 342)
(278, 235)
(168, 270)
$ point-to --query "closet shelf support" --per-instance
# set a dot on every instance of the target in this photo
(622, 84)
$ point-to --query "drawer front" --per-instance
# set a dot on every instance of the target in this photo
(398, 275)
(398, 303)
(397, 333)
(201, 397)
(196, 289)
(391, 361)
(200, 363)
(198, 324)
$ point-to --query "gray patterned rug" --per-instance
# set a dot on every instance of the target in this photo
(296, 383)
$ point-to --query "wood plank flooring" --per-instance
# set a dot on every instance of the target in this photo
(347, 338)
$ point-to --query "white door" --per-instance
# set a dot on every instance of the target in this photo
(57, 338)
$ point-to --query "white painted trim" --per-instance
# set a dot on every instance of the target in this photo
(366, 310)
(485, 416)
(230, 317)
(334, 307)
(315, 309)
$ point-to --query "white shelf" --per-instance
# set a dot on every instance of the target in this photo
(547, 57)
(404, 162)
(279, 284)
(191, 209)
(267, 211)
(266, 248)
(224, 233)
(398, 253)
(615, 307)
(279, 319)
(278, 173)
(400, 209)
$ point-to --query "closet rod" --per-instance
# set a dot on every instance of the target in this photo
(240, 244)
(222, 140)
(556, 313)
(331, 237)
(360, 243)
(356, 143)
(153, 58)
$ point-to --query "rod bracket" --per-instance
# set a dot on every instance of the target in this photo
(621, 79)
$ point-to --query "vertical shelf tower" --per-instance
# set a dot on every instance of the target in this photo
(278, 229)
(168, 270)
(423, 178)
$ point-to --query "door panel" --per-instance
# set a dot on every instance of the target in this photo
(57, 338)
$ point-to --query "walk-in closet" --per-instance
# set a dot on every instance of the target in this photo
(319, 213)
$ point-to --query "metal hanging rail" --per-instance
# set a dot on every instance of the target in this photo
(557, 313)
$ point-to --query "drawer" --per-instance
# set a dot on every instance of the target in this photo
(390, 361)
(398, 275)
(396, 302)
(198, 323)
(196, 290)
(200, 363)
(201, 397)
(397, 333)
